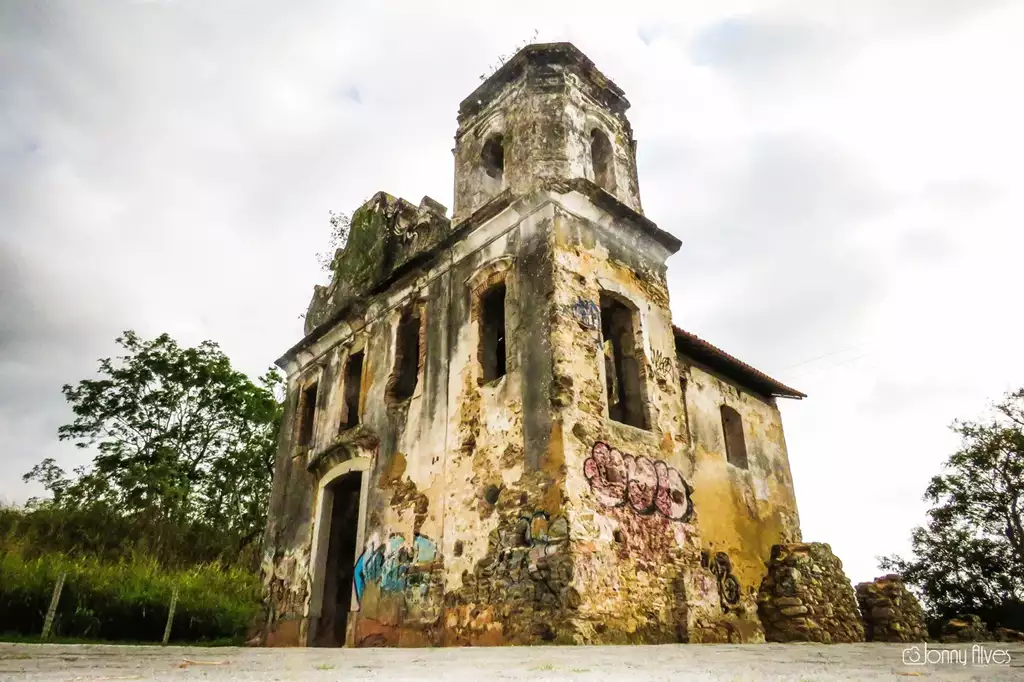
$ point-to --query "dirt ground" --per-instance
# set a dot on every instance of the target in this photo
(798, 662)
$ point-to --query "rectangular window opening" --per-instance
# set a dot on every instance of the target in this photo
(624, 383)
(735, 443)
(308, 413)
(353, 389)
(407, 358)
(492, 333)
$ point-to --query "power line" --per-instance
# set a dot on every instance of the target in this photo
(826, 355)
(816, 370)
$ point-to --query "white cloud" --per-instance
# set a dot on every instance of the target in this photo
(845, 179)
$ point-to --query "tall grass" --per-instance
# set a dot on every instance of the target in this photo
(121, 573)
(127, 600)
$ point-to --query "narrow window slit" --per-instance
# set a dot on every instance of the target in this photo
(492, 333)
(735, 444)
(601, 158)
(352, 388)
(308, 414)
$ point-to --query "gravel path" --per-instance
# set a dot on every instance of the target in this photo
(731, 662)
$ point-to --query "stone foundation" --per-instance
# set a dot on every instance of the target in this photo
(891, 612)
(806, 597)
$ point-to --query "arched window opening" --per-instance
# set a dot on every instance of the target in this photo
(601, 158)
(735, 445)
(493, 156)
(307, 412)
(492, 333)
(624, 382)
(352, 390)
(407, 357)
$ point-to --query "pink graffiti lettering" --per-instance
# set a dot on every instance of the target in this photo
(642, 485)
(606, 471)
(673, 496)
(648, 486)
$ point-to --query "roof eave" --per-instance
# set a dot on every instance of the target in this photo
(740, 371)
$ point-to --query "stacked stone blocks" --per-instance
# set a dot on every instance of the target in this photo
(806, 597)
(891, 612)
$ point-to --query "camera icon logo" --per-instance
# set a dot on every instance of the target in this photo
(915, 655)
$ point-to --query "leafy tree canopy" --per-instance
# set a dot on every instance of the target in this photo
(969, 558)
(181, 438)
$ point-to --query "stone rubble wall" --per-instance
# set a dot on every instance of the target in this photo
(891, 612)
(967, 628)
(806, 597)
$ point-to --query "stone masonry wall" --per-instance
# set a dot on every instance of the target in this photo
(806, 597)
(891, 613)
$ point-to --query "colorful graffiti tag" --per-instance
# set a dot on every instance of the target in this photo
(586, 313)
(395, 566)
(647, 486)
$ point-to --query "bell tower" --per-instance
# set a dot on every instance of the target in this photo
(547, 114)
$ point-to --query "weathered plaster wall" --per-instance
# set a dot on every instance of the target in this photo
(404, 442)
(459, 497)
(744, 512)
(634, 527)
(285, 564)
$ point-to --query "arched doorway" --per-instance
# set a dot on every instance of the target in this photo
(338, 537)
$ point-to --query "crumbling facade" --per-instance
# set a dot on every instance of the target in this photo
(493, 432)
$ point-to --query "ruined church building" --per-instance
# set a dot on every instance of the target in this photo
(493, 432)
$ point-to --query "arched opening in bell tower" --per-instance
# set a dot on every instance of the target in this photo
(601, 158)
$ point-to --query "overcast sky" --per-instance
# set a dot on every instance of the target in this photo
(846, 179)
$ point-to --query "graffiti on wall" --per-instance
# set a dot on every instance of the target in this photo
(646, 486)
(526, 559)
(728, 585)
(662, 366)
(395, 566)
(585, 312)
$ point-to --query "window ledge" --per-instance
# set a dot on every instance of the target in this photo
(651, 433)
(493, 383)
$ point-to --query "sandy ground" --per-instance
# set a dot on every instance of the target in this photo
(799, 662)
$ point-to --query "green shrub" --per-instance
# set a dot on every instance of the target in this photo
(125, 600)
(101, 531)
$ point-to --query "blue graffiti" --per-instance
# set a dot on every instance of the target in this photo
(360, 577)
(587, 313)
(393, 566)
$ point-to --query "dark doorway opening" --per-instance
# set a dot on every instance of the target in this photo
(341, 557)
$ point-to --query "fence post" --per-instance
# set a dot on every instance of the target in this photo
(52, 611)
(170, 615)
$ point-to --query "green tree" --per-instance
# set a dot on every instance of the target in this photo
(969, 557)
(181, 438)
